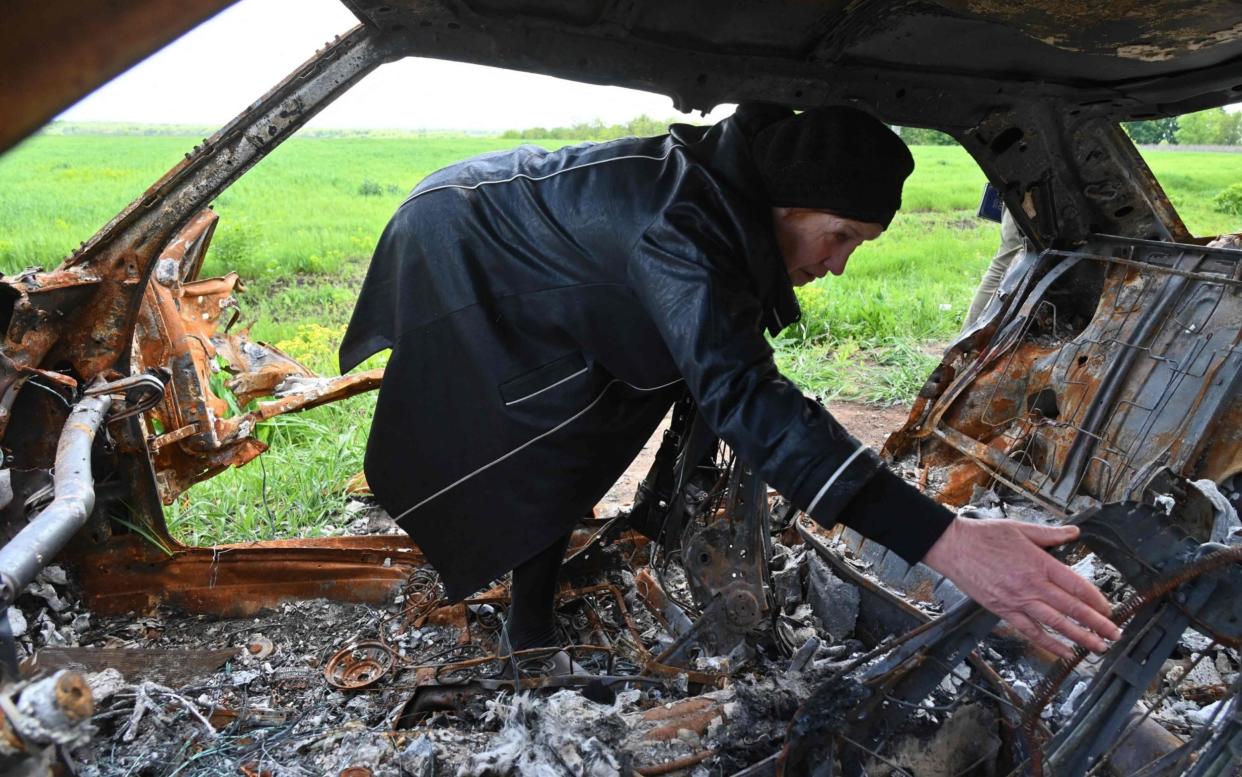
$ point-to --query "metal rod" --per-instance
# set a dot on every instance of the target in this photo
(37, 544)
(1222, 280)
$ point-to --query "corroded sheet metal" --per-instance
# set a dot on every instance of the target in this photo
(209, 414)
(1102, 374)
(93, 40)
(131, 574)
(1129, 29)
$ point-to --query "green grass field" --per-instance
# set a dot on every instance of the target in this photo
(300, 228)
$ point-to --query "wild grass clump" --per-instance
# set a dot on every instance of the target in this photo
(296, 489)
(1229, 200)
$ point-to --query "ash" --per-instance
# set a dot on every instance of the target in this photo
(265, 696)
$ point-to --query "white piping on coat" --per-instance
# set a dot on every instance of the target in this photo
(532, 441)
(545, 388)
(553, 174)
(833, 479)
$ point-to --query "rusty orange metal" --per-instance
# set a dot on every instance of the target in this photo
(1021, 407)
(358, 666)
(203, 426)
(358, 485)
(36, 87)
(130, 574)
(692, 714)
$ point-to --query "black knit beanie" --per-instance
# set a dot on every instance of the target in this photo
(834, 158)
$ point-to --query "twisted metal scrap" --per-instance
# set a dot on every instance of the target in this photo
(1064, 668)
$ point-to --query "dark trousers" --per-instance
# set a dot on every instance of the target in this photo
(532, 613)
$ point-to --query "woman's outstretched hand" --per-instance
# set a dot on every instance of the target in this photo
(1002, 565)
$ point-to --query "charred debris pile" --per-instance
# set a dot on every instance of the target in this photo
(416, 687)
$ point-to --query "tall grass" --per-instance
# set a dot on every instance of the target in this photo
(301, 226)
(311, 206)
(296, 489)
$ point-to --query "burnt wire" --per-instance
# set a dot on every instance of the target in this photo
(31, 381)
(279, 734)
(153, 398)
(897, 768)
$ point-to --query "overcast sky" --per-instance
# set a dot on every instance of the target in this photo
(237, 56)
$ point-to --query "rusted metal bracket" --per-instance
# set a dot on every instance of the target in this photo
(726, 563)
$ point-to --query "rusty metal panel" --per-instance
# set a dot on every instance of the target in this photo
(1106, 373)
(53, 52)
(168, 667)
(185, 326)
(132, 575)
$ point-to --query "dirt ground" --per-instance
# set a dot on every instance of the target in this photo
(869, 423)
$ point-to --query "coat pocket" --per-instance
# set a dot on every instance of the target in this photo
(546, 377)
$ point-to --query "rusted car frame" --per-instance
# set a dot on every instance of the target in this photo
(1107, 370)
(129, 299)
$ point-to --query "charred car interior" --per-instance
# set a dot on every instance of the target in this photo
(725, 633)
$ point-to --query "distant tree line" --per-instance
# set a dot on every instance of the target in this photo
(642, 127)
(61, 127)
(1213, 127)
(125, 128)
(645, 126)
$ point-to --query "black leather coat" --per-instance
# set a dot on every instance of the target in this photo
(544, 309)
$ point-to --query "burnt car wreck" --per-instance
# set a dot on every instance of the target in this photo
(725, 634)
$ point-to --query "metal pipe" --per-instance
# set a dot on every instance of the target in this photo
(37, 544)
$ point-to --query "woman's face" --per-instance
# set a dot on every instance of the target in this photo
(816, 242)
